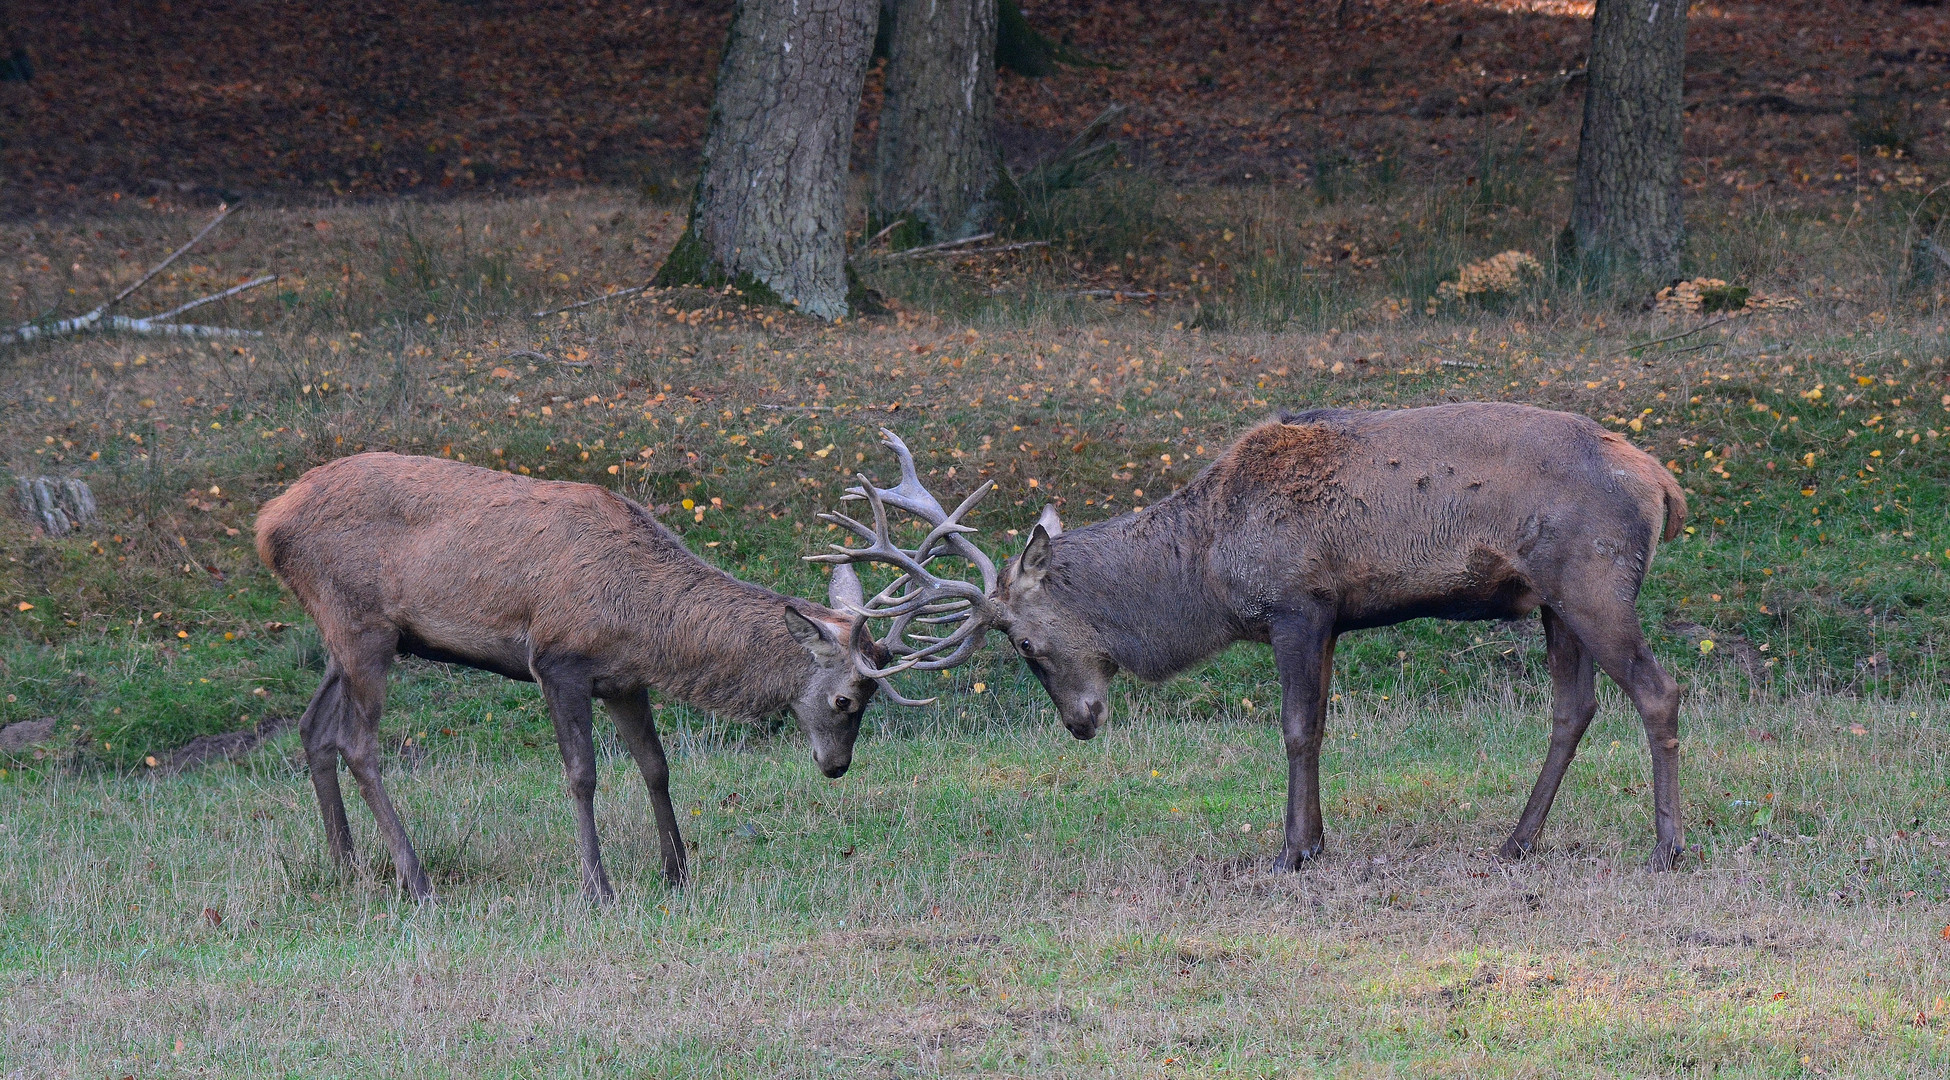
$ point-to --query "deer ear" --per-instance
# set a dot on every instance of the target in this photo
(816, 636)
(844, 592)
(1051, 524)
(1034, 562)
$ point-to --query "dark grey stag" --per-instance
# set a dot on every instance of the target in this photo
(1321, 522)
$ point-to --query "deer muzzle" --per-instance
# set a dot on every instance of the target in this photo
(1084, 719)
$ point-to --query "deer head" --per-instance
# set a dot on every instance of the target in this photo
(833, 699)
(1061, 646)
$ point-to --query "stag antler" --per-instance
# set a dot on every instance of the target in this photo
(917, 595)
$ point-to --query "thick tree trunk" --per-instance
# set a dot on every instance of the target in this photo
(936, 161)
(770, 210)
(1625, 208)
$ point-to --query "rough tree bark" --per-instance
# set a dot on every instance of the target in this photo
(769, 214)
(935, 161)
(1625, 212)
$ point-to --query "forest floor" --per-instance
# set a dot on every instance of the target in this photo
(439, 98)
(981, 894)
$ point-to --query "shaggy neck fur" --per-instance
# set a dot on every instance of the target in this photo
(709, 639)
(1143, 580)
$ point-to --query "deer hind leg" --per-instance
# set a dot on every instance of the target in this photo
(363, 676)
(1613, 638)
(320, 729)
(1574, 701)
(1303, 651)
(637, 725)
(567, 692)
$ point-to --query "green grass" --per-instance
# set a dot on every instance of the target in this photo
(982, 894)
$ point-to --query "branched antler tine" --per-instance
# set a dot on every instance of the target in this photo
(956, 542)
(895, 640)
(894, 591)
(878, 549)
(895, 696)
(891, 611)
(909, 495)
(861, 665)
(932, 601)
(972, 629)
(925, 550)
(964, 648)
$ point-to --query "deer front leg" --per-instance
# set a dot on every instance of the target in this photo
(1303, 651)
(637, 726)
(566, 689)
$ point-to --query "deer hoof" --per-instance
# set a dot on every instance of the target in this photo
(1291, 859)
(1515, 850)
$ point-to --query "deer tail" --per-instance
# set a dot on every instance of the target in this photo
(1672, 508)
(1675, 501)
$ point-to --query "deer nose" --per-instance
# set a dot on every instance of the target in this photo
(1090, 714)
(835, 769)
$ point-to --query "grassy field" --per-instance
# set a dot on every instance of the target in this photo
(981, 893)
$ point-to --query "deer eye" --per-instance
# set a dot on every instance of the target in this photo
(843, 703)
(1025, 647)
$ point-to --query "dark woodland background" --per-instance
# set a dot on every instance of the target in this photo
(444, 97)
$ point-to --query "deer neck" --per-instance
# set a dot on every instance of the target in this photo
(714, 642)
(1143, 580)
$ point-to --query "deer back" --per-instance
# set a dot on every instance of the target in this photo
(491, 569)
(1443, 507)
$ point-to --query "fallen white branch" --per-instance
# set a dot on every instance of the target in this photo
(99, 319)
(945, 245)
(878, 237)
(96, 321)
(197, 303)
(586, 303)
(988, 250)
(223, 211)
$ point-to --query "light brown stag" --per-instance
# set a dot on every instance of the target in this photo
(1321, 522)
(567, 585)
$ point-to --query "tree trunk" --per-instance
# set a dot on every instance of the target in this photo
(769, 215)
(1625, 207)
(936, 160)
